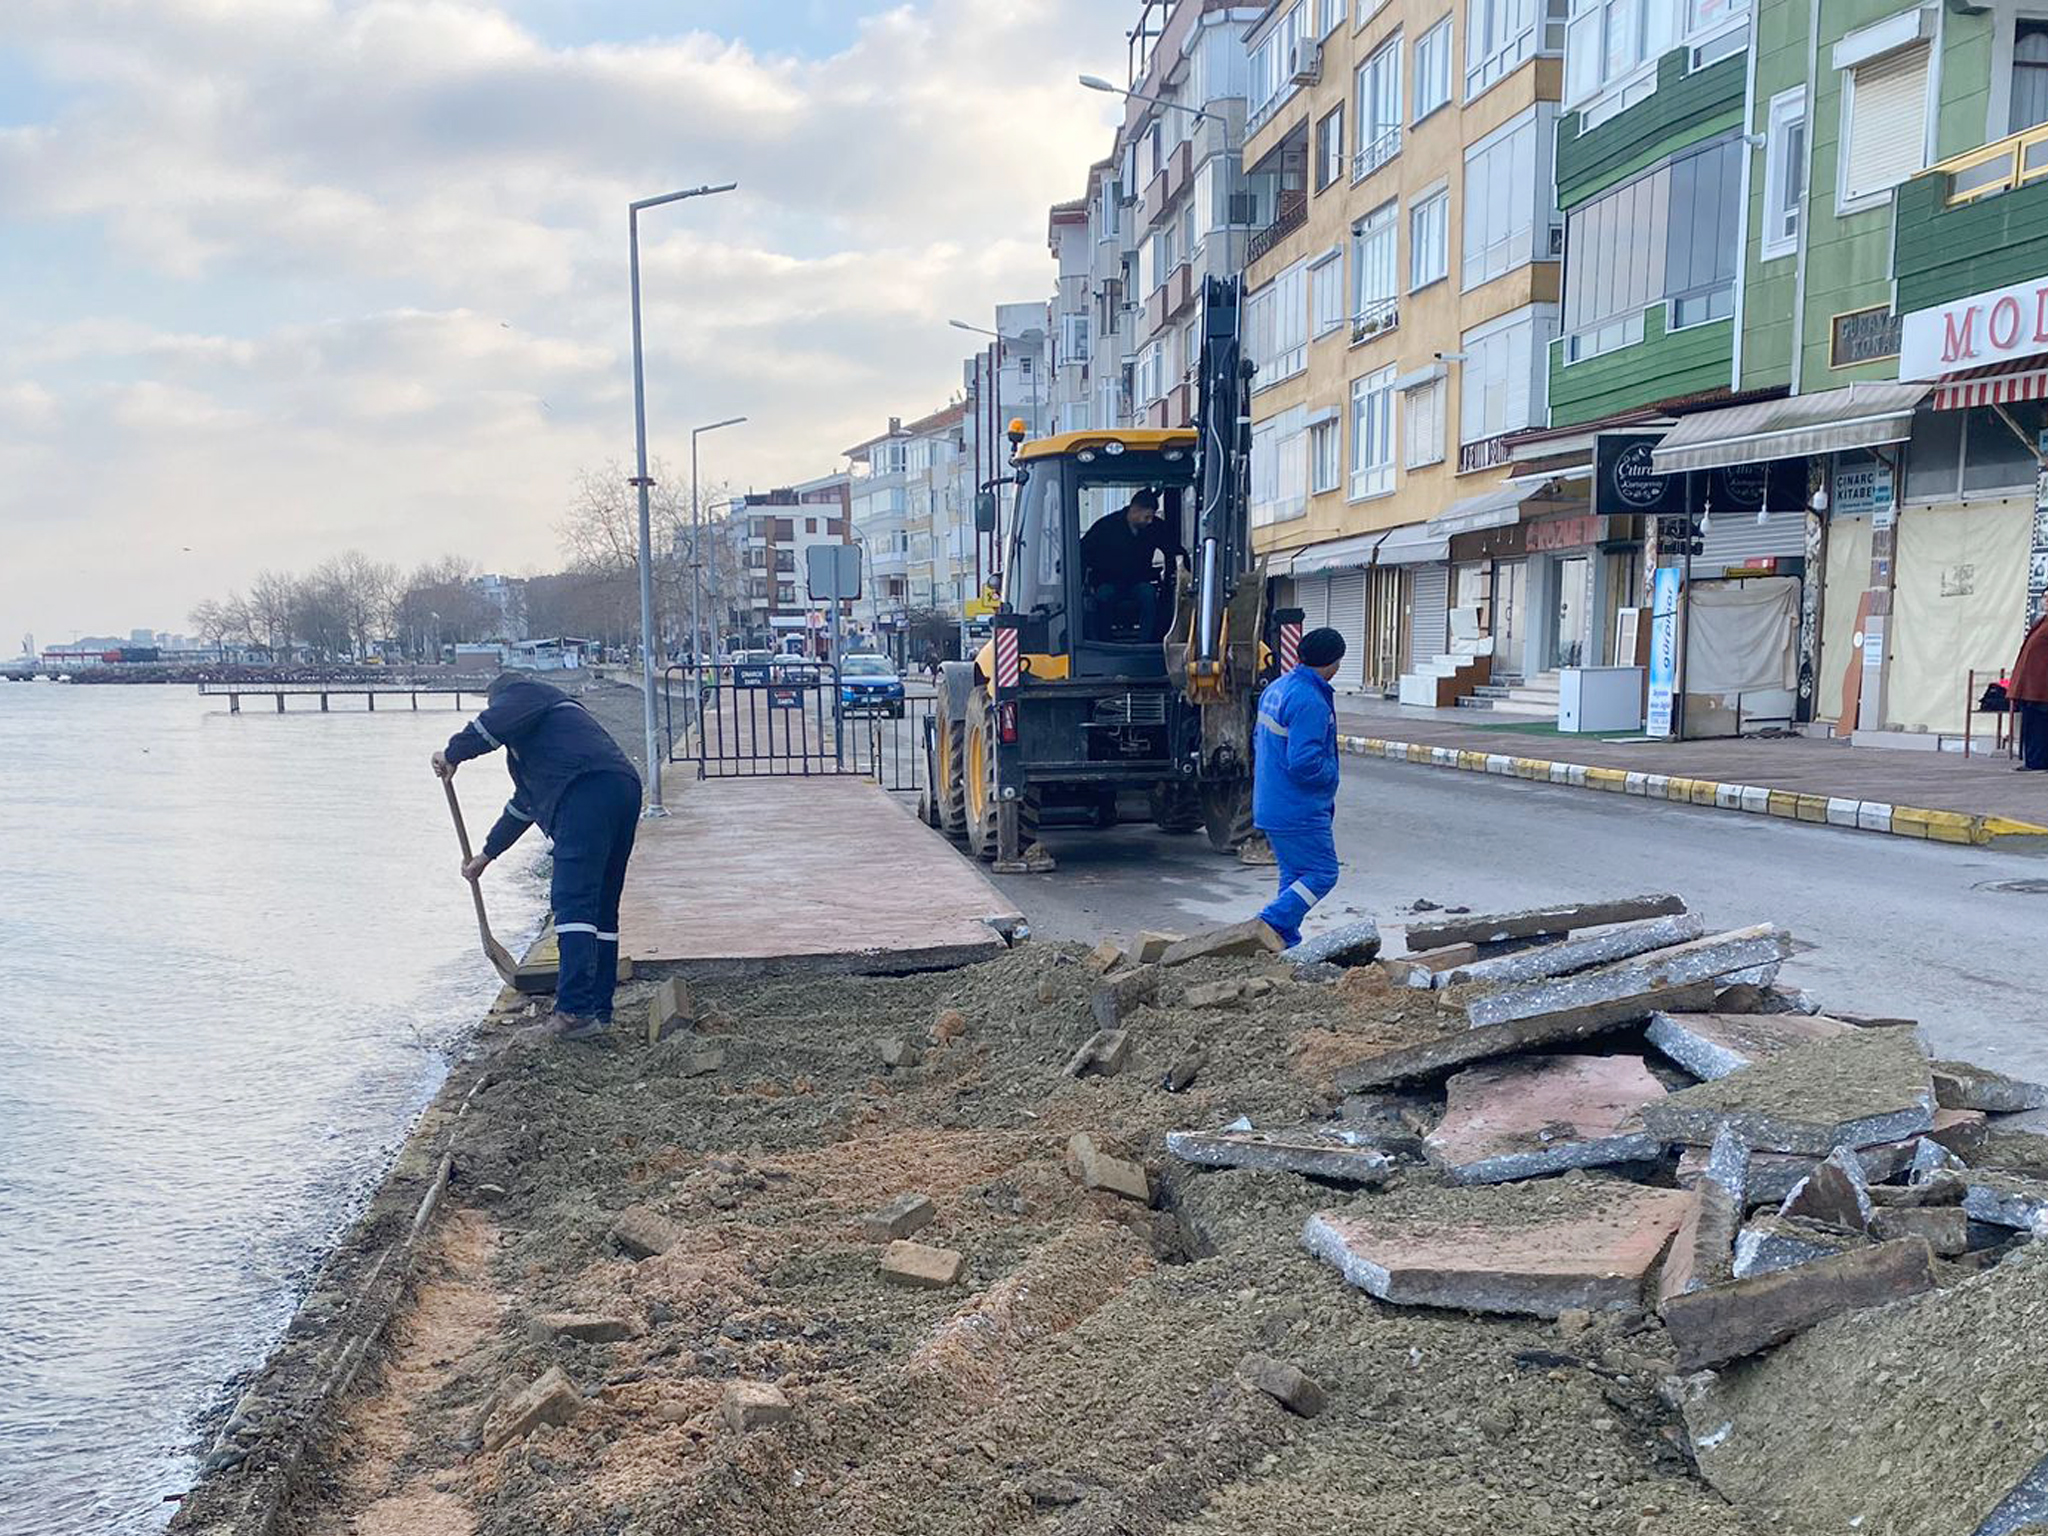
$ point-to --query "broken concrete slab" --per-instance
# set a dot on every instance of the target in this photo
(1853, 1090)
(1151, 947)
(1944, 1186)
(1944, 1228)
(1922, 1418)
(1321, 1151)
(1520, 1119)
(907, 1213)
(1214, 994)
(2011, 1151)
(669, 1009)
(1096, 1169)
(1104, 957)
(914, 1264)
(1772, 1175)
(1185, 1069)
(552, 1398)
(1772, 1243)
(1478, 1044)
(1702, 1251)
(2006, 1200)
(581, 1327)
(1103, 1054)
(1535, 1249)
(1288, 1385)
(1539, 922)
(1117, 997)
(1568, 955)
(1726, 1322)
(1252, 937)
(1964, 1085)
(1699, 960)
(754, 1405)
(643, 1233)
(1962, 1131)
(1350, 944)
(1834, 1194)
(1421, 970)
(1711, 1045)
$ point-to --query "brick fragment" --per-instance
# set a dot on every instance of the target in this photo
(1152, 947)
(669, 1009)
(1117, 997)
(1240, 939)
(644, 1233)
(754, 1405)
(907, 1213)
(1944, 1228)
(913, 1264)
(1288, 1385)
(583, 1327)
(1096, 1169)
(552, 1398)
(1104, 957)
(1726, 1322)
(1104, 1053)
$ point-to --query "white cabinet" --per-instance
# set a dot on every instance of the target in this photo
(1600, 699)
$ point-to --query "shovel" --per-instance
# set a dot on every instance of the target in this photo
(498, 954)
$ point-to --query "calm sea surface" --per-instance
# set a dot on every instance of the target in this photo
(233, 949)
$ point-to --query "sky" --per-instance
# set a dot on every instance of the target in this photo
(281, 278)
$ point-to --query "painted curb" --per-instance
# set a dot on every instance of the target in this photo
(1819, 810)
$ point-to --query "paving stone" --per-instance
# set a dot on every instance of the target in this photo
(1543, 1114)
(1396, 1123)
(1945, 1186)
(1853, 1090)
(913, 1264)
(1772, 1243)
(1288, 1385)
(1104, 1053)
(1726, 1322)
(2006, 1199)
(1247, 938)
(1421, 970)
(669, 1009)
(1096, 1169)
(754, 1405)
(907, 1213)
(1104, 957)
(1535, 1249)
(1699, 960)
(1349, 944)
(898, 1053)
(1538, 922)
(1963, 1085)
(1463, 1046)
(1116, 997)
(1711, 1045)
(1702, 1251)
(644, 1233)
(1944, 1228)
(1321, 1151)
(1568, 955)
(1213, 994)
(583, 1327)
(1834, 1194)
(1151, 947)
(1772, 1175)
(551, 1399)
(948, 1024)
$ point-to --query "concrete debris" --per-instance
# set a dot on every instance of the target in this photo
(1103, 1053)
(1568, 955)
(1854, 1090)
(1542, 1114)
(907, 1213)
(1151, 947)
(1421, 970)
(897, 1054)
(1703, 1249)
(580, 1327)
(1700, 960)
(1726, 1322)
(1185, 1069)
(705, 1060)
(1944, 1228)
(1772, 1243)
(1964, 1132)
(1834, 1194)
(1104, 957)
(1931, 1157)
(948, 1024)
(1047, 1490)
(2007, 1200)
(913, 1264)
(1118, 996)
(1534, 1249)
(1711, 1045)
(1096, 1169)
(1540, 922)
(754, 1405)
(1320, 1151)
(1944, 1186)
(1350, 944)
(1962, 1085)
(1214, 994)
(1396, 1123)
(1772, 1175)
(551, 1399)
(644, 1233)
(669, 1009)
(1478, 1044)
(1251, 937)
(1288, 1385)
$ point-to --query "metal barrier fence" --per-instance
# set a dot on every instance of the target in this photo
(791, 719)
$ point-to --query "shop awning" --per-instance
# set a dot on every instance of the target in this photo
(2024, 378)
(1489, 509)
(1829, 421)
(1410, 545)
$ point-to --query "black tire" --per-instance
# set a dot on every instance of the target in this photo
(979, 742)
(1227, 813)
(1175, 806)
(949, 788)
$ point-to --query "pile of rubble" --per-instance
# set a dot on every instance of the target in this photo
(1626, 1115)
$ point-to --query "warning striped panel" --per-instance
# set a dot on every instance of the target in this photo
(1290, 646)
(1009, 668)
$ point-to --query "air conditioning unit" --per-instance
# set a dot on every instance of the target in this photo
(1305, 62)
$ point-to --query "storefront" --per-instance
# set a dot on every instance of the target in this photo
(1497, 592)
(1383, 592)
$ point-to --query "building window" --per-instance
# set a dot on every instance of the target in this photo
(1326, 292)
(2029, 75)
(1429, 236)
(1375, 258)
(1278, 326)
(1606, 41)
(1507, 186)
(1884, 134)
(1500, 385)
(1330, 148)
(1379, 108)
(757, 559)
(1501, 34)
(1148, 384)
(785, 561)
(1279, 469)
(1372, 434)
(785, 593)
(1433, 69)
(1424, 406)
(1272, 73)
(1325, 458)
(1330, 15)
(1784, 174)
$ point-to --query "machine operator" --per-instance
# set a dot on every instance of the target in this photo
(1116, 563)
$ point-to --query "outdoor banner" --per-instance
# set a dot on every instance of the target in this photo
(1663, 650)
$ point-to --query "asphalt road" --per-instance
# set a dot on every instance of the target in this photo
(1885, 925)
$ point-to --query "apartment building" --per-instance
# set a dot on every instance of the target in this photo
(1403, 299)
(773, 608)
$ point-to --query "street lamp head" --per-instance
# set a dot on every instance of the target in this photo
(1097, 83)
(730, 421)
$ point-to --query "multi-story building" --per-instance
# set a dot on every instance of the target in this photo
(880, 503)
(774, 608)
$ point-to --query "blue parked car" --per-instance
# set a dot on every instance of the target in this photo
(868, 685)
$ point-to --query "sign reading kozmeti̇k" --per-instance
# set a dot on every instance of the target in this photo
(1974, 332)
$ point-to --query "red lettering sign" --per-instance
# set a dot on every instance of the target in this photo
(1956, 345)
(2041, 314)
(2005, 312)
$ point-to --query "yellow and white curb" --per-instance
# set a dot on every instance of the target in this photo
(1819, 810)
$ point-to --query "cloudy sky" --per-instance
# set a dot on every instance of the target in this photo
(284, 277)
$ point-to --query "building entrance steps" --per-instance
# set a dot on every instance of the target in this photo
(1943, 797)
(796, 875)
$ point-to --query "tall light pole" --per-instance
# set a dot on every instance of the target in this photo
(644, 483)
(1097, 83)
(696, 544)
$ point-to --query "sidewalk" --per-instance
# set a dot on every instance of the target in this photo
(1942, 796)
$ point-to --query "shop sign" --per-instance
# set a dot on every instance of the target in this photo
(1779, 484)
(1625, 484)
(1862, 485)
(1974, 332)
(1663, 650)
(1863, 336)
(1566, 532)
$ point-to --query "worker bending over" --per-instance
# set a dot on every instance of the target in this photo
(1116, 563)
(1294, 781)
(570, 776)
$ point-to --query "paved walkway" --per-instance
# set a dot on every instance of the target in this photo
(1943, 781)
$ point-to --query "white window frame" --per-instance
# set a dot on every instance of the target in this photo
(1539, 28)
(1374, 421)
(1439, 198)
(1378, 140)
(1424, 451)
(1322, 150)
(1847, 202)
(1537, 203)
(1325, 456)
(1328, 310)
(1431, 87)
(1787, 110)
(1380, 311)
(1330, 15)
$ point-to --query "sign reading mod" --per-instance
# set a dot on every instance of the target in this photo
(1974, 332)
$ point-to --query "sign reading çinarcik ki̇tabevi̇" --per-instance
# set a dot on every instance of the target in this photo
(1975, 332)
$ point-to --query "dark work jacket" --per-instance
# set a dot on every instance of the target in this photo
(550, 741)
(1113, 553)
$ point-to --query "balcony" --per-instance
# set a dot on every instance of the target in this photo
(1170, 297)
(1375, 318)
(1169, 183)
(1376, 152)
(1290, 216)
(1487, 453)
(1974, 223)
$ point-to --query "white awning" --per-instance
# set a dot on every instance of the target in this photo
(1830, 421)
(1496, 508)
(1409, 545)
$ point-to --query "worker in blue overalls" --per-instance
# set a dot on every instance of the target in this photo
(569, 776)
(1294, 782)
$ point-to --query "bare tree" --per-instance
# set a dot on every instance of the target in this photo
(273, 599)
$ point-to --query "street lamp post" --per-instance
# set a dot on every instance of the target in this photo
(1097, 83)
(643, 483)
(696, 543)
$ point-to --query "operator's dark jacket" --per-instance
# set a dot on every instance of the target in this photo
(1114, 554)
(550, 741)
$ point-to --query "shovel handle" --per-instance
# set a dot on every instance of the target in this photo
(461, 828)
